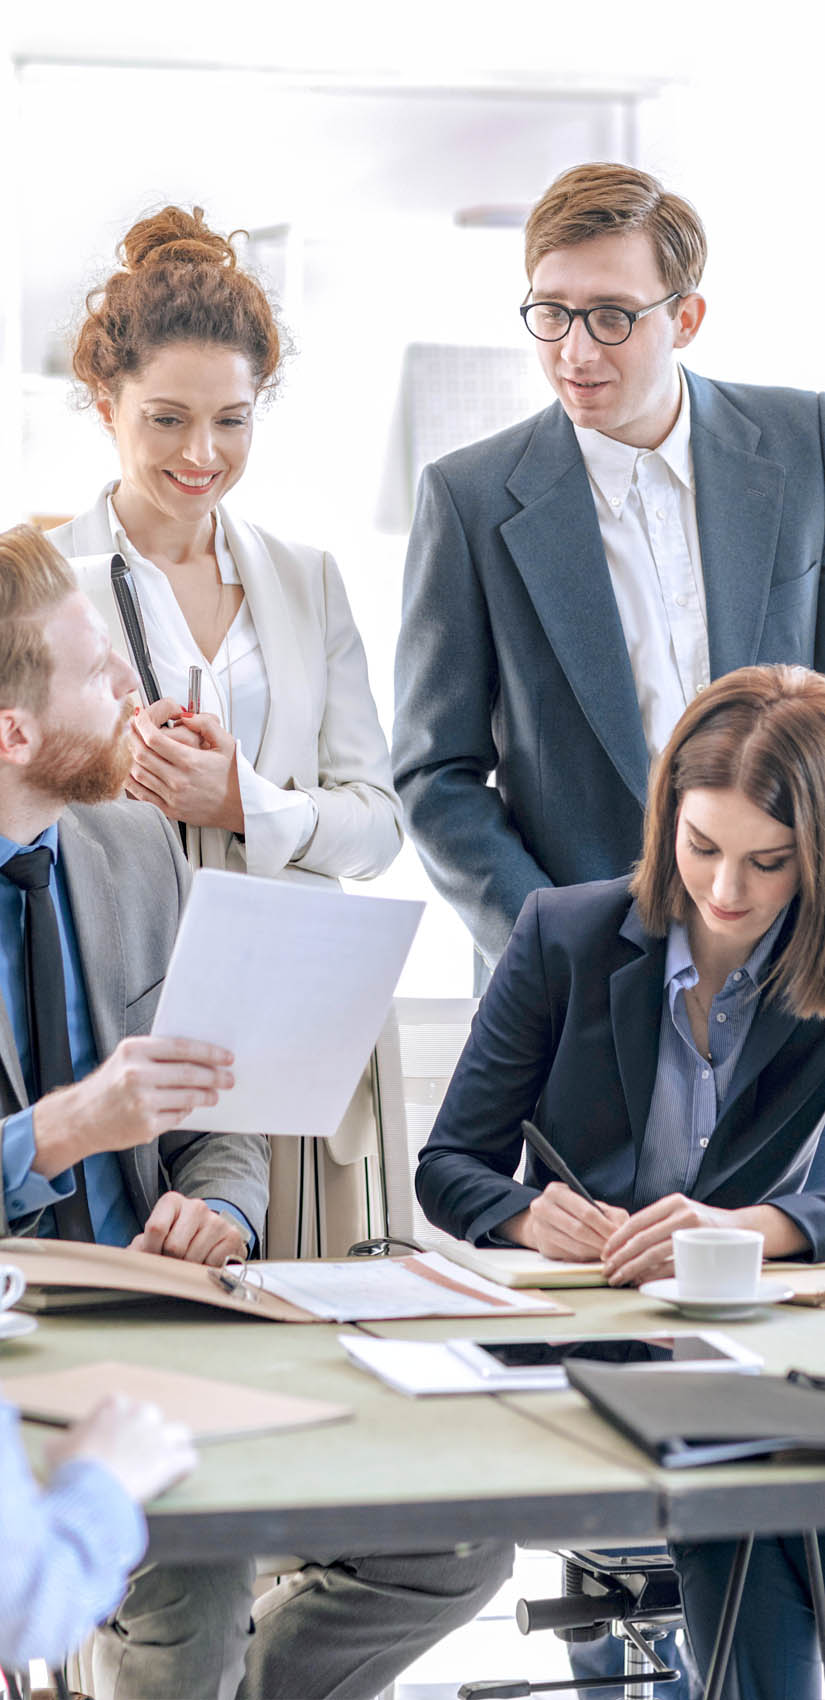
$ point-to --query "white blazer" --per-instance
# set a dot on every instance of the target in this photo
(322, 734)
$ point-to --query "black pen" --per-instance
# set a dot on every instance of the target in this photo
(556, 1164)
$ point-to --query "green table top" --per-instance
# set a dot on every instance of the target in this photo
(412, 1473)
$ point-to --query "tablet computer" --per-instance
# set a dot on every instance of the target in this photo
(540, 1363)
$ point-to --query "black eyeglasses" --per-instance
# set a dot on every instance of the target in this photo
(550, 321)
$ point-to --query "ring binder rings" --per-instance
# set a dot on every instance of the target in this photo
(241, 1279)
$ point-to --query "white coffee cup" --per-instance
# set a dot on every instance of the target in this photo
(12, 1285)
(717, 1263)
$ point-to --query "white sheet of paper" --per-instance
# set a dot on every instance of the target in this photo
(296, 981)
(374, 1289)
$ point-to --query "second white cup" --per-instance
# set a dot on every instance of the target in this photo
(717, 1263)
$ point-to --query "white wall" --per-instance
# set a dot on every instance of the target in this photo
(735, 125)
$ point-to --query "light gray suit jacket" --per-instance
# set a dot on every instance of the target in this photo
(512, 657)
(127, 881)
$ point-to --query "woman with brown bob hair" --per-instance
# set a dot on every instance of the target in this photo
(667, 1032)
(285, 771)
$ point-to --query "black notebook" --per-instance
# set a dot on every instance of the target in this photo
(685, 1417)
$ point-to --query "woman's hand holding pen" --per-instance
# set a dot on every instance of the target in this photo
(189, 770)
(559, 1223)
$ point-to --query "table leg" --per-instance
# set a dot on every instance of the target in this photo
(817, 1585)
(717, 1670)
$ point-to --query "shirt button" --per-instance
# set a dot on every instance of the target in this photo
(738, 975)
(704, 1144)
(660, 513)
(615, 501)
(706, 1074)
(681, 601)
(721, 1016)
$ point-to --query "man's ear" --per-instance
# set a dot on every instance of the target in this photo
(689, 315)
(18, 736)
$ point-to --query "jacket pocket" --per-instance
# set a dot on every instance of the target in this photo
(140, 1013)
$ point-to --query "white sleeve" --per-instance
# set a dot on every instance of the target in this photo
(278, 822)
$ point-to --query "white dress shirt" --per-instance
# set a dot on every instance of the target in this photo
(234, 687)
(646, 507)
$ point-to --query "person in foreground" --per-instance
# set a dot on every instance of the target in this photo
(667, 1033)
(91, 892)
(67, 1550)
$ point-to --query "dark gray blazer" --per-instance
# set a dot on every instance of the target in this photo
(512, 658)
(127, 881)
(568, 1035)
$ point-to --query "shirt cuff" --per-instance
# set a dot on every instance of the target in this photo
(278, 820)
(24, 1191)
(224, 1208)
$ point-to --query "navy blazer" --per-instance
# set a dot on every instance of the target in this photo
(512, 657)
(568, 1034)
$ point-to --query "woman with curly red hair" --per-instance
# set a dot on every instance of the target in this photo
(285, 771)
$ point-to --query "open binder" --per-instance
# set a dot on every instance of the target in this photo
(74, 1275)
(683, 1417)
(63, 1275)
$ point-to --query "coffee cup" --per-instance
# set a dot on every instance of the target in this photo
(12, 1285)
(717, 1263)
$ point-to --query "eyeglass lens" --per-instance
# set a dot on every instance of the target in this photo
(550, 322)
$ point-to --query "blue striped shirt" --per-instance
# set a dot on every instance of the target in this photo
(689, 1087)
(66, 1551)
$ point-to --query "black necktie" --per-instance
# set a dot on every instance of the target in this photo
(51, 1057)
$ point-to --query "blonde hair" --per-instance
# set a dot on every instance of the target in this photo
(33, 578)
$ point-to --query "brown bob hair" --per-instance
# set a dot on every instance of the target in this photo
(609, 199)
(761, 731)
(33, 579)
(178, 281)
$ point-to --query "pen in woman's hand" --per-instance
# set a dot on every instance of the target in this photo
(555, 1163)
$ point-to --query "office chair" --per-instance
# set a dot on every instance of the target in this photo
(634, 1595)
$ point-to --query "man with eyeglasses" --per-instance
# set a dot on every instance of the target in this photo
(573, 581)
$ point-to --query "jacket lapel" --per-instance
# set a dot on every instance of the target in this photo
(290, 709)
(557, 547)
(738, 511)
(636, 1013)
(94, 911)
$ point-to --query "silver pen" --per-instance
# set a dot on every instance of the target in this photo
(194, 704)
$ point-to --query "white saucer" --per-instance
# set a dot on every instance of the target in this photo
(14, 1324)
(721, 1309)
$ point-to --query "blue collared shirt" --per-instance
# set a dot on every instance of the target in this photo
(113, 1219)
(689, 1087)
